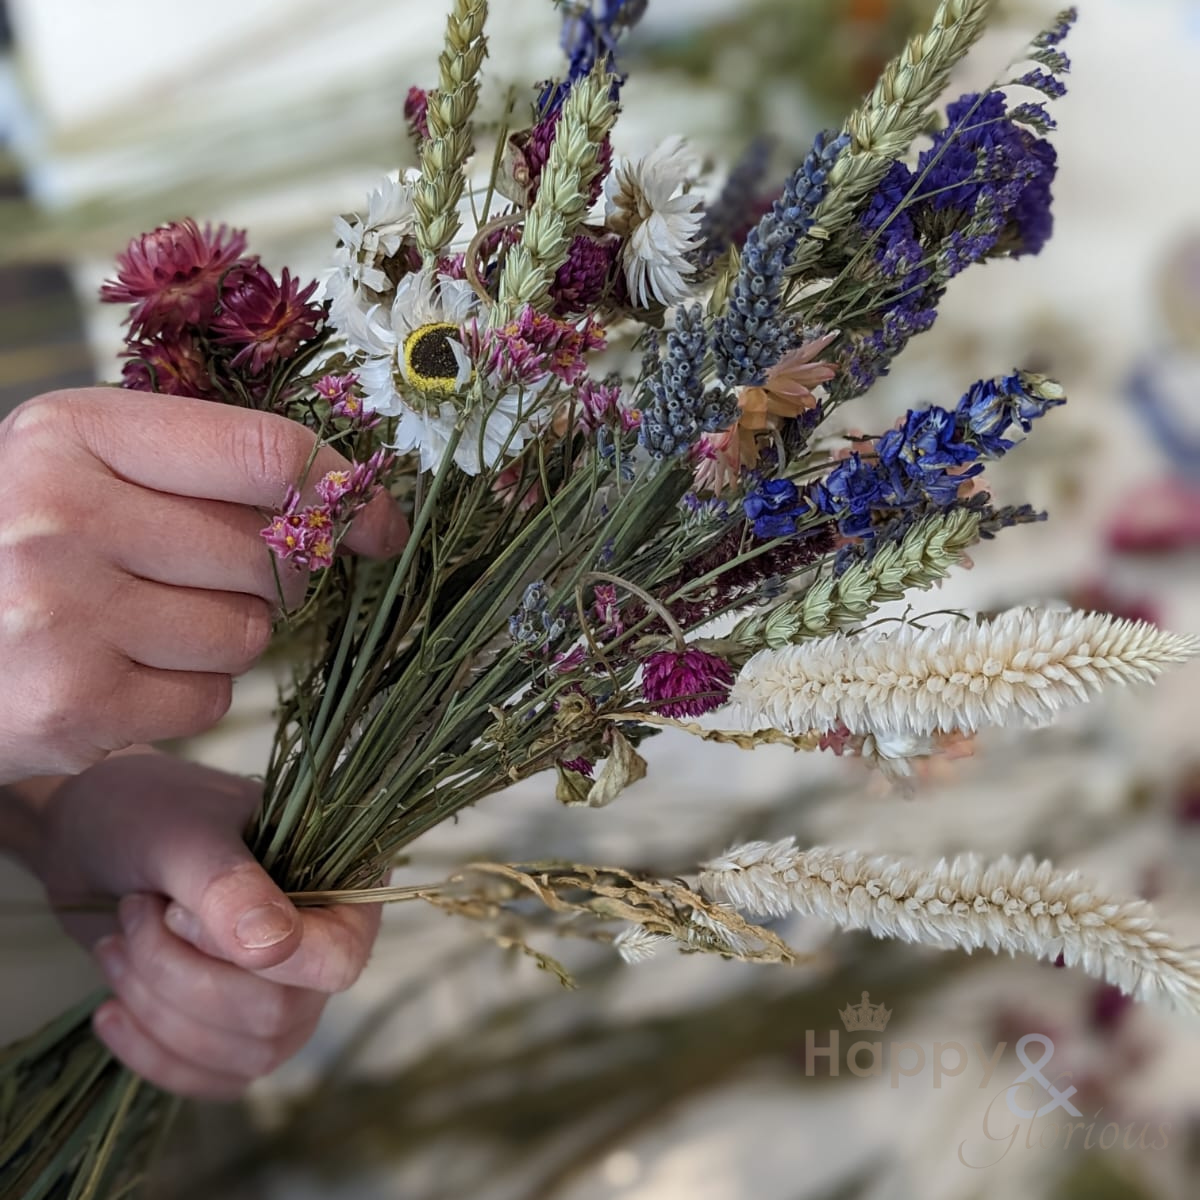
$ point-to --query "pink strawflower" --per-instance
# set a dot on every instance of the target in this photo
(416, 109)
(171, 276)
(265, 320)
(174, 367)
(584, 279)
(686, 683)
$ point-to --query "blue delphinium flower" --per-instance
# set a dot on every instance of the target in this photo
(679, 408)
(775, 508)
(752, 335)
(590, 34)
(924, 462)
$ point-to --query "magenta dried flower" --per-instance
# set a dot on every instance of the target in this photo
(263, 319)
(685, 683)
(172, 275)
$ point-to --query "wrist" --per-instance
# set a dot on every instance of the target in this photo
(23, 806)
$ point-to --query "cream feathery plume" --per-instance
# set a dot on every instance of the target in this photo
(1023, 907)
(1019, 668)
(636, 943)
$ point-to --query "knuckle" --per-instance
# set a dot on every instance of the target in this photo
(274, 1013)
(272, 451)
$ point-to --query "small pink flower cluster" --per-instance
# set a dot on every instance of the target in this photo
(600, 405)
(207, 320)
(308, 536)
(345, 400)
(608, 612)
(416, 109)
(534, 347)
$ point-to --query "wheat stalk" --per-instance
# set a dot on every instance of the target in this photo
(1022, 907)
(444, 153)
(923, 557)
(561, 203)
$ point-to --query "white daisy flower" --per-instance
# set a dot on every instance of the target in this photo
(646, 204)
(357, 283)
(417, 365)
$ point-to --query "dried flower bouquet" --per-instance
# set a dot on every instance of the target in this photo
(602, 391)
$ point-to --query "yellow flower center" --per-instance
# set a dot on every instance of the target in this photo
(429, 358)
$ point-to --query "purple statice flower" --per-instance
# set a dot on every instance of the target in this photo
(685, 683)
(753, 334)
(725, 217)
(1035, 115)
(776, 509)
(678, 407)
(1057, 33)
(1044, 82)
(583, 279)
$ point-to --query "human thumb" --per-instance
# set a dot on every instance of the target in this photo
(226, 905)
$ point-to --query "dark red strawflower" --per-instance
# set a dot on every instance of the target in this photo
(687, 683)
(416, 106)
(584, 278)
(171, 276)
(264, 320)
(177, 367)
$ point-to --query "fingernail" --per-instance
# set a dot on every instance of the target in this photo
(111, 957)
(132, 912)
(182, 924)
(263, 927)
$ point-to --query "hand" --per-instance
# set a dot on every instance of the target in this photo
(133, 581)
(217, 978)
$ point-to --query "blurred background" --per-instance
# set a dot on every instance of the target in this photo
(454, 1071)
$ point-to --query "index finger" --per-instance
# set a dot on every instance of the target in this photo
(213, 451)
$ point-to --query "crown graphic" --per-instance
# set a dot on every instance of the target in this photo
(865, 1015)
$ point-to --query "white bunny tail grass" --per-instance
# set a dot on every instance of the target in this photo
(1019, 668)
(1023, 907)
